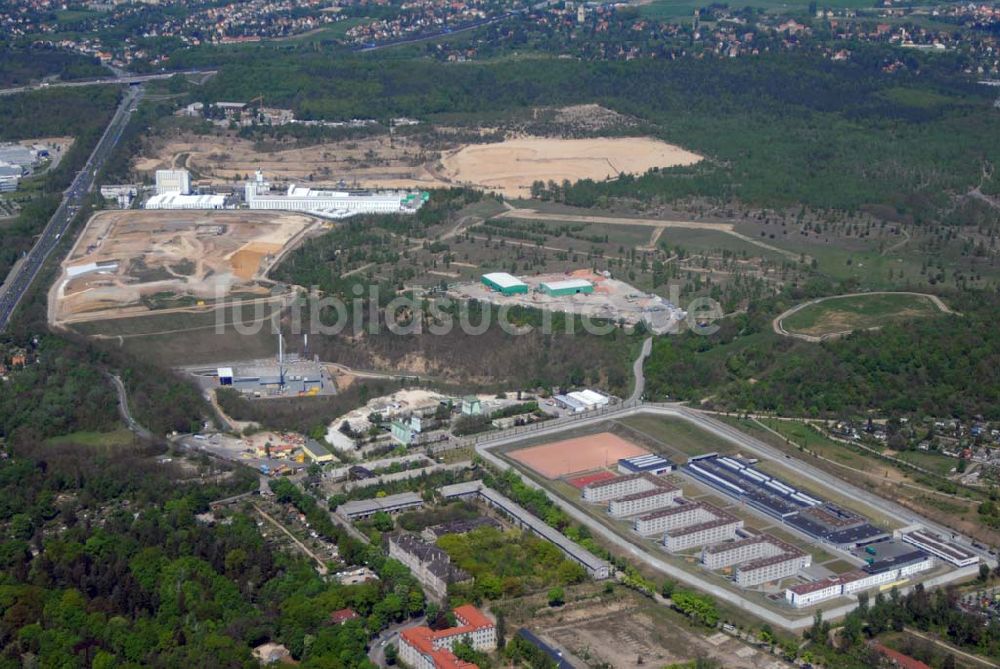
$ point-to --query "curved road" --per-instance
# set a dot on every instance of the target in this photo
(637, 371)
(780, 329)
(123, 409)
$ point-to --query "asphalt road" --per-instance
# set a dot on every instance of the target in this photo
(123, 78)
(123, 409)
(376, 652)
(640, 377)
(21, 277)
(752, 445)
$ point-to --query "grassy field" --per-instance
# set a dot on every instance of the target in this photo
(114, 439)
(857, 312)
(677, 436)
(184, 338)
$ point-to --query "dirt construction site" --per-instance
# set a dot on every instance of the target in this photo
(127, 263)
(439, 160)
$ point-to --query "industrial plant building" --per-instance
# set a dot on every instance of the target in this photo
(173, 182)
(649, 464)
(941, 548)
(504, 283)
(423, 648)
(330, 203)
(817, 518)
(179, 201)
(566, 287)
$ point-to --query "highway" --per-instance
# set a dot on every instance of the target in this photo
(23, 274)
(124, 78)
(750, 444)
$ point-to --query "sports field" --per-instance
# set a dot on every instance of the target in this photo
(580, 454)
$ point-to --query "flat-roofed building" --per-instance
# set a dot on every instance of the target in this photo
(808, 594)
(648, 464)
(566, 287)
(176, 201)
(504, 283)
(941, 548)
(173, 182)
(363, 508)
(316, 451)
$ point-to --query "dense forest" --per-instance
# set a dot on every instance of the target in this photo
(820, 133)
(941, 366)
(43, 114)
(105, 565)
(23, 65)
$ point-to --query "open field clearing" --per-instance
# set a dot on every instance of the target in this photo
(837, 316)
(511, 166)
(128, 263)
(438, 158)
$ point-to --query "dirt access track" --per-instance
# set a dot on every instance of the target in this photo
(778, 323)
(128, 263)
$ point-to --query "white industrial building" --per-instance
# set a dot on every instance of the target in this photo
(649, 463)
(330, 203)
(10, 177)
(121, 194)
(608, 489)
(177, 182)
(939, 547)
(643, 502)
(590, 399)
(177, 201)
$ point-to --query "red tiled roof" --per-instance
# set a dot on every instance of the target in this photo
(900, 660)
(424, 638)
(341, 616)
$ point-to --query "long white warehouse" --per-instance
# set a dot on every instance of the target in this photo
(331, 203)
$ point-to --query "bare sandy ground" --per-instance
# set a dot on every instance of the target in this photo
(133, 262)
(511, 166)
